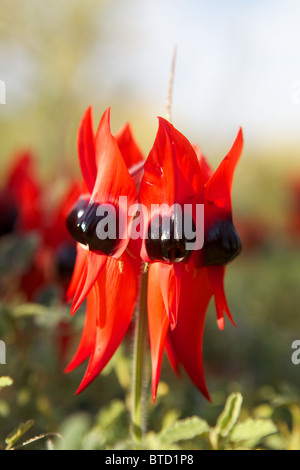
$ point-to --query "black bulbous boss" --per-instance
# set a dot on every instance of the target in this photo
(82, 223)
(221, 243)
(166, 240)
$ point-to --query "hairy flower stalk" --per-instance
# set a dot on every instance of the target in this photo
(140, 364)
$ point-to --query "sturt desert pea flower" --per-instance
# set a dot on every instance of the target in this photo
(106, 271)
(106, 178)
(184, 281)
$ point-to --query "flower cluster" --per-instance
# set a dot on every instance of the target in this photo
(181, 280)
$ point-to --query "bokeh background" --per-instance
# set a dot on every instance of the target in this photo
(237, 65)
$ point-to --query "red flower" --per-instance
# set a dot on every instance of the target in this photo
(185, 280)
(106, 271)
(106, 178)
(182, 277)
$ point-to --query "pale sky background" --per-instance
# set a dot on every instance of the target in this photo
(238, 63)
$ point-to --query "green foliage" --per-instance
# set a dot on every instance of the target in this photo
(230, 415)
(17, 433)
(108, 432)
(183, 430)
(5, 382)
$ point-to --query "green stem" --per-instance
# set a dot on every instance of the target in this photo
(140, 367)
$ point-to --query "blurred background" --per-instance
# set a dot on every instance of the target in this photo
(237, 65)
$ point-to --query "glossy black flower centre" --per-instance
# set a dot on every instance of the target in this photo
(74, 219)
(166, 240)
(221, 244)
(94, 225)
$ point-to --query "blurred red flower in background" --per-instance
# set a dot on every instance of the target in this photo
(25, 213)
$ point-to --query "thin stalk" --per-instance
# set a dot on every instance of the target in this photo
(140, 366)
(170, 88)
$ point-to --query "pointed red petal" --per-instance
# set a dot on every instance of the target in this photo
(170, 277)
(80, 263)
(86, 150)
(172, 356)
(187, 337)
(158, 323)
(94, 265)
(205, 169)
(218, 189)
(117, 297)
(131, 153)
(171, 171)
(129, 149)
(87, 340)
(216, 276)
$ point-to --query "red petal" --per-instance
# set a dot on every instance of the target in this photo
(131, 153)
(94, 265)
(158, 323)
(171, 354)
(86, 150)
(117, 297)
(129, 149)
(170, 277)
(218, 189)
(187, 337)
(205, 170)
(216, 276)
(87, 340)
(80, 263)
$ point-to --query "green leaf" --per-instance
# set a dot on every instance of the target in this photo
(185, 429)
(17, 433)
(253, 430)
(5, 381)
(109, 415)
(229, 416)
(72, 432)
